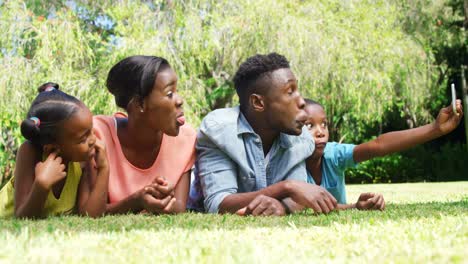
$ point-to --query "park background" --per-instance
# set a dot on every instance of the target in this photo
(376, 66)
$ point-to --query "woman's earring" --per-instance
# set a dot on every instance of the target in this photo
(141, 110)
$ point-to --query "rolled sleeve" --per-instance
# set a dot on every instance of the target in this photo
(217, 173)
(299, 172)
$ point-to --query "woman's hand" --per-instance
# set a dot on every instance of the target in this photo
(161, 205)
(158, 197)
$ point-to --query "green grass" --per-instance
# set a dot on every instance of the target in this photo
(424, 222)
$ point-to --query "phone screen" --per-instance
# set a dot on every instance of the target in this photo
(454, 98)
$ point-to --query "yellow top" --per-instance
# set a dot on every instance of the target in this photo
(53, 206)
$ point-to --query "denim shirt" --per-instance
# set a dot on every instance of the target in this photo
(230, 159)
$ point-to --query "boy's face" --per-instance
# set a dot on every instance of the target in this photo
(284, 105)
(317, 124)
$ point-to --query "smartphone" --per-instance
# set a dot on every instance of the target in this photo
(454, 98)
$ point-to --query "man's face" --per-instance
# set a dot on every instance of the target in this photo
(284, 106)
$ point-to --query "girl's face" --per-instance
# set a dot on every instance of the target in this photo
(76, 142)
(162, 108)
(317, 124)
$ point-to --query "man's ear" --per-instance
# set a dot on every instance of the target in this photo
(257, 102)
(49, 148)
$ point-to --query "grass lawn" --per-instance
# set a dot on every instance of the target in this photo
(423, 223)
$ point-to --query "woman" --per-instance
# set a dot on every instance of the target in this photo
(150, 151)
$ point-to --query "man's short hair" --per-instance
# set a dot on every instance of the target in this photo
(254, 69)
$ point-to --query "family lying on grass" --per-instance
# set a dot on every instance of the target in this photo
(267, 156)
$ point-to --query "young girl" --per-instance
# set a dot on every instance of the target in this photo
(61, 167)
(327, 164)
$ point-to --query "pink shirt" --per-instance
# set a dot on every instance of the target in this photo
(176, 156)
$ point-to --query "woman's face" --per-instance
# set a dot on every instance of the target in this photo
(162, 108)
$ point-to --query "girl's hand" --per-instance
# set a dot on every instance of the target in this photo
(370, 201)
(50, 171)
(447, 120)
(101, 155)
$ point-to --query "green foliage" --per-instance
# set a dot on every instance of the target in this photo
(8, 142)
(361, 59)
(449, 164)
(421, 163)
(379, 170)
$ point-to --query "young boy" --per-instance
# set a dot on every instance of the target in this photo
(327, 164)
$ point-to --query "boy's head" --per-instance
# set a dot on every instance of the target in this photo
(59, 122)
(267, 88)
(317, 124)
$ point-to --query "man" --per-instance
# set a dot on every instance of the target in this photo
(251, 158)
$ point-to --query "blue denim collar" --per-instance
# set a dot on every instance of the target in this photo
(243, 127)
